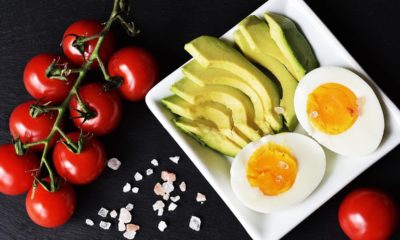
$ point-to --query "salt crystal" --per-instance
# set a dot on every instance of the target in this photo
(126, 188)
(160, 212)
(175, 159)
(279, 110)
(138, 176)
(314, 114)
(121, 226)
(114, 163)
(158, 189)
(166, 197)
(283, 165)
(113, 214)
(162, 226)
(105, 225)
(135, 189)
(168, 177)
(129, 207)
(154, 162)
(158, 205)
(125, 216)
(103, 212)
(172, 206)
(129, 234)
(195, 223)
(176, 198)
(89, 222)
(182, 186)
(132, 227)
(168, 187)
(201, 198)
(149, 172)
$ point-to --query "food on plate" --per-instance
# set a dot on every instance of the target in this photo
(255, 41)
(277, 171)
(340, 110)
(292, 43)
(16, 172)
(368, 214)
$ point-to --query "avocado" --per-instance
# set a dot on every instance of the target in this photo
(292, 43)
(212, 52)
(207, 133)
(212, 111)
(235, 100)
(214, 76)
(254, 40)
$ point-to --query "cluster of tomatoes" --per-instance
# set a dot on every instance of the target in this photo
(93, 109)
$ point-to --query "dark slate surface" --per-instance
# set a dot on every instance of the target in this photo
(368, 29)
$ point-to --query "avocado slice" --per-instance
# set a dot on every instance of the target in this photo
(207, 133)
(254, 40)
(236, 101)
(212, 52)
(214, 76)
(212, 111)
(292, 43)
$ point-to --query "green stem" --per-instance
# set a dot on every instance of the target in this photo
(103, 69)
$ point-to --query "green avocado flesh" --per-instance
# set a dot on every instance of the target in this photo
(254, 40)
(292, 43)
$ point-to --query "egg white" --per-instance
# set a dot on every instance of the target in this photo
(365, 135)
(311, 164)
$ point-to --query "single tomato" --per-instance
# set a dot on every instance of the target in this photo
(29, 129)
(16, 172)
(83, 167)
(51, 209)
(40, 86)
(86, 28)
(138, 69)
(105, 108)
(368, 214)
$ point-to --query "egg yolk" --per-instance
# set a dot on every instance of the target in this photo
(272, 168)
(332, 108)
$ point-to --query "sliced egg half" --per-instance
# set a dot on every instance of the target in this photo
(277, 171)
(340, 110)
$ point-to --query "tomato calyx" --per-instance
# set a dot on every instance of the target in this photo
(46, 185)
(58, 71)
(113, 83)
(19, 147)
(75, 147)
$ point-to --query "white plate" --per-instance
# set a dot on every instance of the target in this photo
(340, 170)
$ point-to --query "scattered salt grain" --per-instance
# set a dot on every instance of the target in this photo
(127, 187)
(160, 212)
(129, 207)
(113, 214)
(114, 163)
(105, 225)
(158, 189)
(166, 197)
(125, 216)
(314, 114)
(201, 198)
(149, 172)
(176, 198)
(168, 177)
(103, 212)
(129, 234)
(172, 206)
(154, 162)
(168, 187)
(175, 159)
(158, 205)
(182, 186)
(279, 110)
(162, 226)
(89, 222)
(195, 223)
(121, 226)
(138, 176)
(132, 227)
(135, 189)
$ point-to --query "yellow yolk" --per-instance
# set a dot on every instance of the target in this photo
(272, 168)
(332, 108)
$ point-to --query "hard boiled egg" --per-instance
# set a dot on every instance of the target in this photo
(340, 110)
(277, 171)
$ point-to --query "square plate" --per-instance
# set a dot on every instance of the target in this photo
(340, 170)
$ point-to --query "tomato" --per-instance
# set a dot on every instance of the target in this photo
(368, 213)
(40, 86)
(106, 107)
(87, 28)
(16, 172)
(51, 209)
(138, 69)
(29, 129)
(81, 168)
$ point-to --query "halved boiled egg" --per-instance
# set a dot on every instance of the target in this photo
(340, 110)
(277, 171)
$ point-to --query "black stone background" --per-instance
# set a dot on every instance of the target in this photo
(368, 29)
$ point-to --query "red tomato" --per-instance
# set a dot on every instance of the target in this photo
(368, 213)
(107, 108)
(86, 28)
(139, 71)
(51, 209)
(16, 172)
(80, 168)
(29, 129)
(40, 86)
